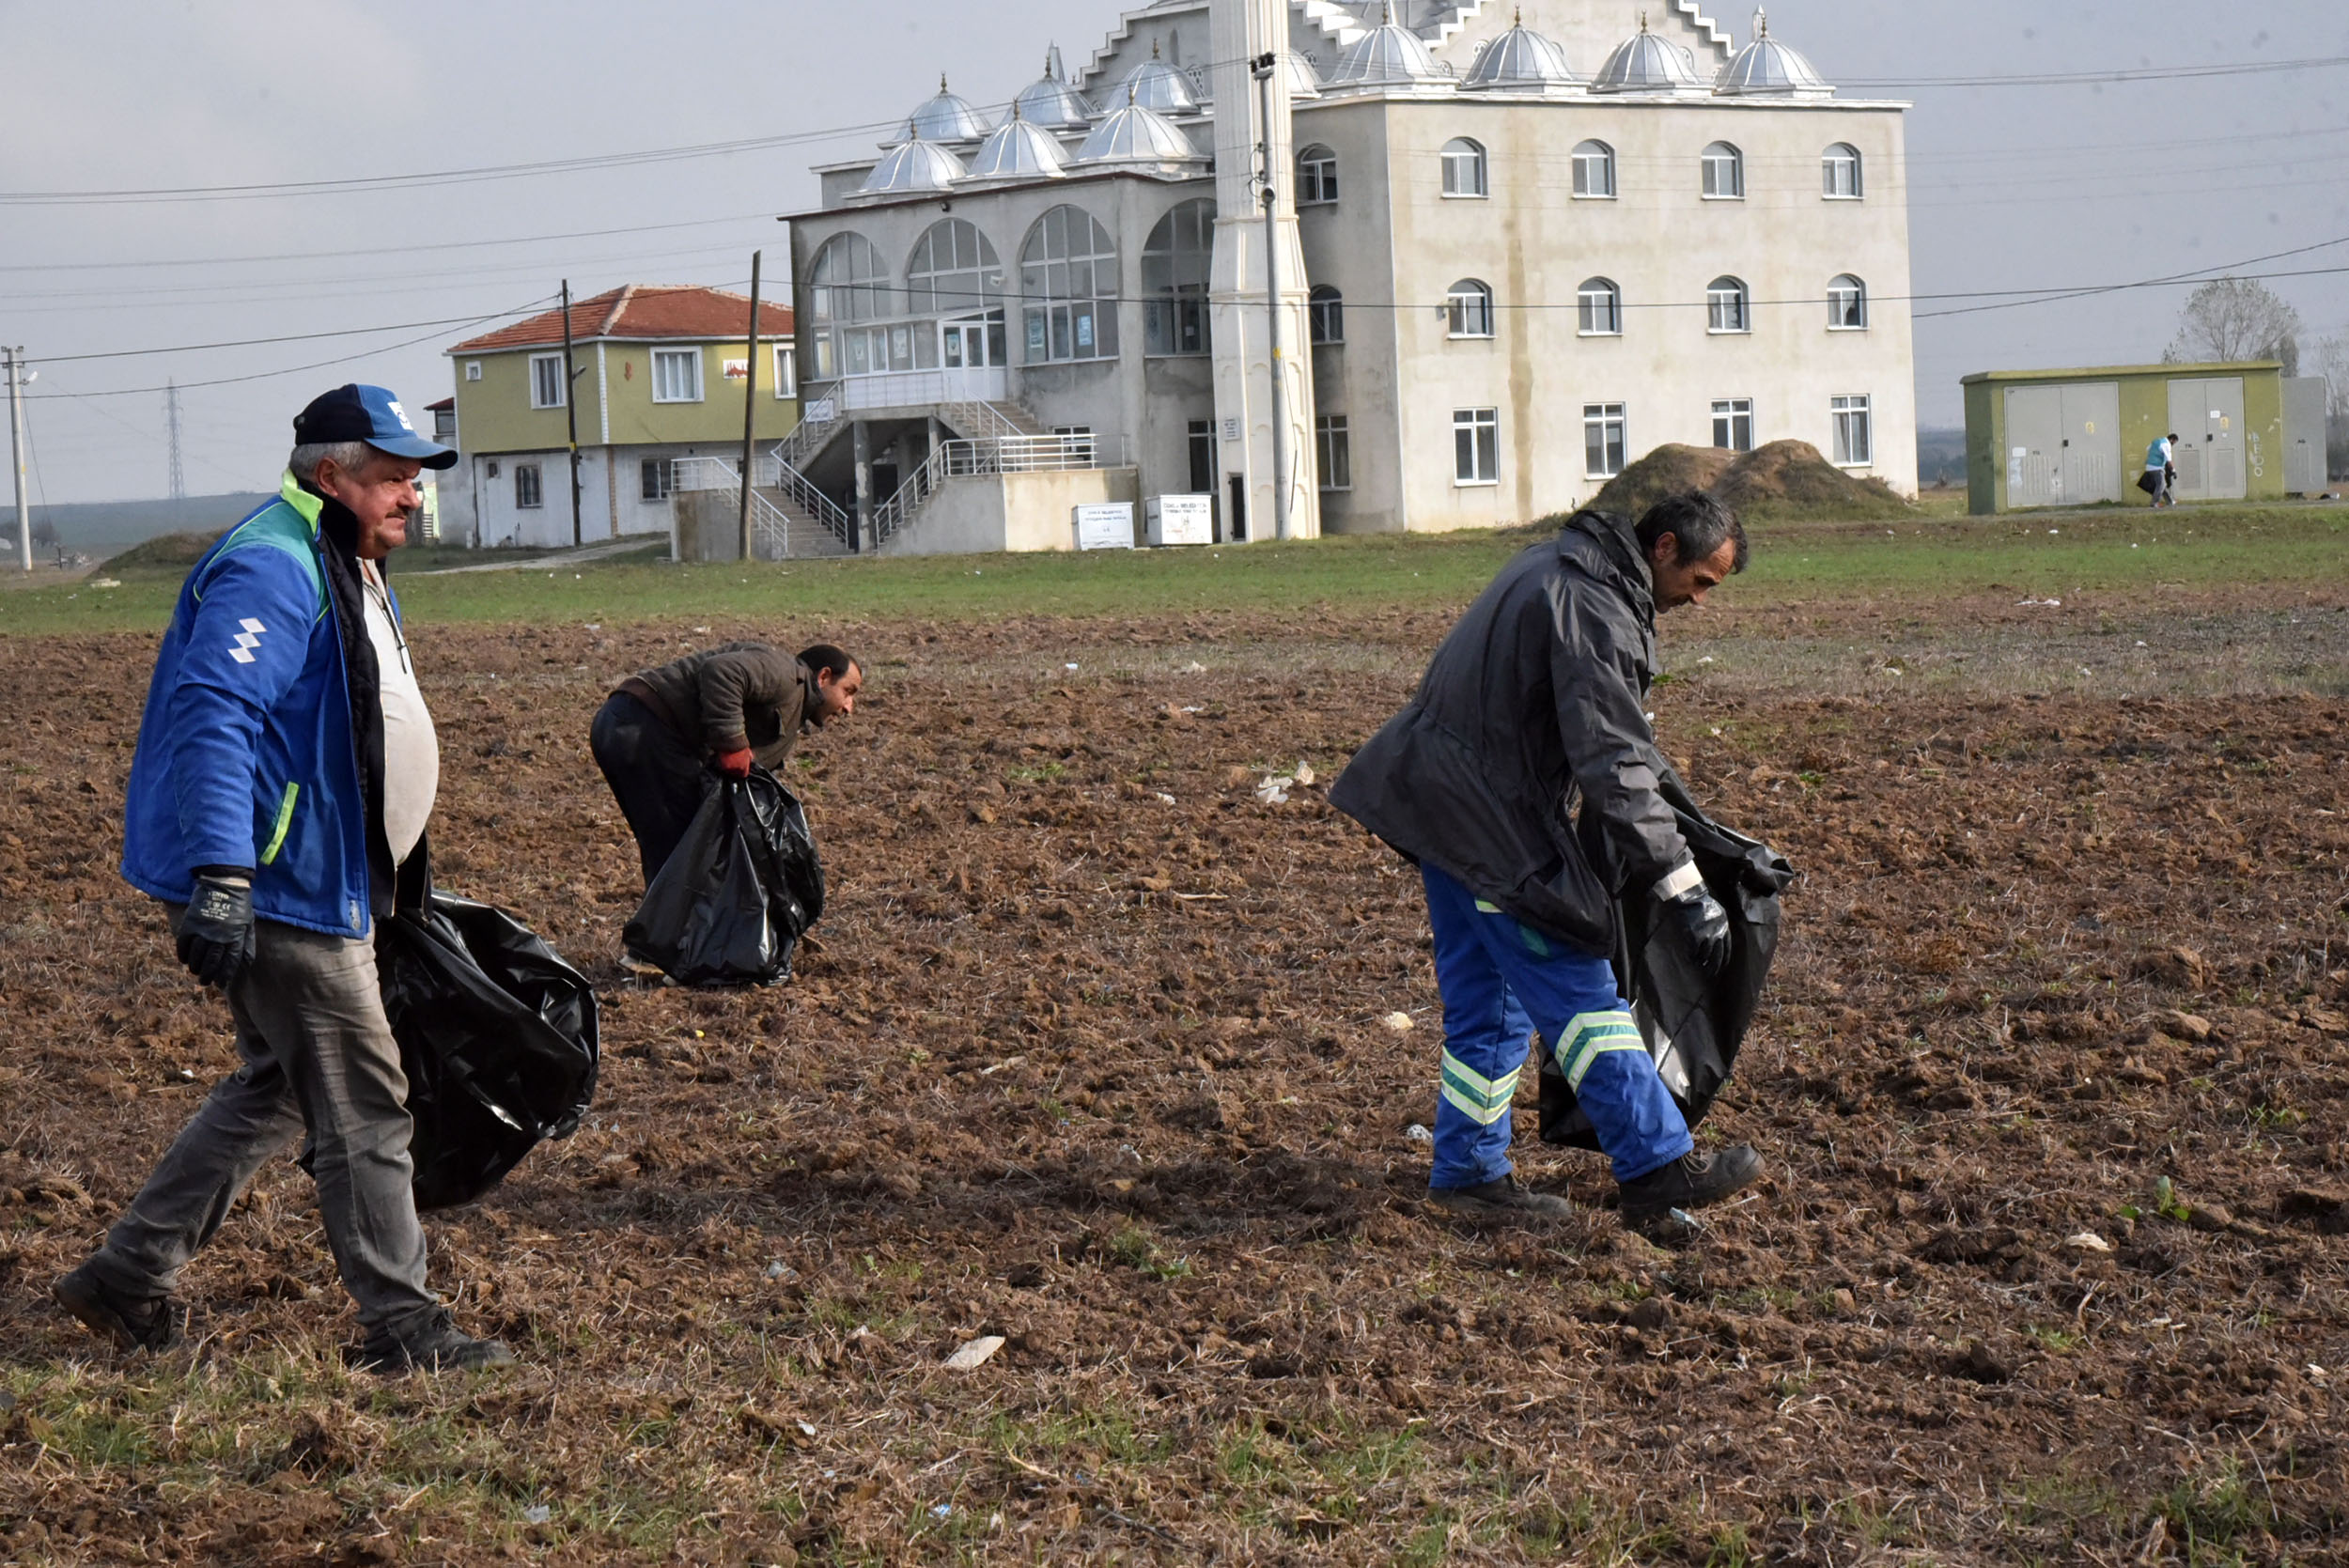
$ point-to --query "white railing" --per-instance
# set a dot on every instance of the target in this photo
(778, 473)
(770, 524)
(983, 421)
(915, 389)
(971, 460)
(919, 485)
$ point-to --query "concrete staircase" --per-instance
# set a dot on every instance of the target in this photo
(784, 529)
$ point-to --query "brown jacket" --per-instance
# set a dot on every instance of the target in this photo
(726, 698)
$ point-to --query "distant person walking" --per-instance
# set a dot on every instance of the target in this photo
(284, 770)
(2161, 472)
(723, 708)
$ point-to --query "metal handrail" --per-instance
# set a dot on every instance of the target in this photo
(813, 502)
(770, 523)
(918, 486)
(1026, 454)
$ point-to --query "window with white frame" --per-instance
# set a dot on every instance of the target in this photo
(658, 475)
(527, 493)
(1476, 446)
(848, 283)
(1334, 452)
(1839, 173)
(1316, 176)
(1724, 172)
(1603, 425)
(1599, 306)
(787, 371)
(1846, 304)
(1325, 315)
(1464, 169)
(1069, 280)
(1855, 431)
(472, 370)
(1728, 308)
(676, 375)
(1732, 423)
(1175, 263)
(1594, 171)
(546, 380)
(1469, 309)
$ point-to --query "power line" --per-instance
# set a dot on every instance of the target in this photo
(288, 337)
(2107, 78)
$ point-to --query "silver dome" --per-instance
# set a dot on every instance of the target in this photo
(1387, 57)
(1155, 85)
(1768, 69)
(916, 167)
(1137, 133)
(944, 119)
(1018, 150)
(1520, 60)
(1646, 64)
(1304, 81)
(1052, 103)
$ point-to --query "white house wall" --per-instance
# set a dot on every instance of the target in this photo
(503, 524)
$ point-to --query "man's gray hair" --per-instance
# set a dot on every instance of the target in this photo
(352, 457)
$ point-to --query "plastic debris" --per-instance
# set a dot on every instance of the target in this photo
(1418, 1134)
(1163, 799)
(539, 1513)
(1399, 1022)
(2088, 1241)
(1275, 792)
(1065, 666)
(975, 1353)
(1193, 668)
(780, 1270)
(1304, 775)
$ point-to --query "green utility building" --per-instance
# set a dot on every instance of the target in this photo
(2074, 438)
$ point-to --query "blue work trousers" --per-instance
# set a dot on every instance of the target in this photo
(1502, 982)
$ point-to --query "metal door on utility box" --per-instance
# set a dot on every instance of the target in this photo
(2207, 419)
(2063, 444)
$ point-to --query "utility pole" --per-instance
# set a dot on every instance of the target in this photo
(750, 407)
(179, 475)
(16, 453)
(570, 410)
(1264, 66)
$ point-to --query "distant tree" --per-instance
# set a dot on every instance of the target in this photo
(2236, 319)
(44, 532)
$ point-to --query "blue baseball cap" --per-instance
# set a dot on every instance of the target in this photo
(372, 414)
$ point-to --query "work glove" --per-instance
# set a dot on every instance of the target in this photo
(734, 765)
(216, 930)
(1704, 925)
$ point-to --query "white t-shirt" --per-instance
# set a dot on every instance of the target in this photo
(412, 751)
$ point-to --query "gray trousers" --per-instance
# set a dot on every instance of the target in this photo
(317, 1054)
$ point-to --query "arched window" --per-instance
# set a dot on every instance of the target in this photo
(849, 285)
(1600, 308)
(1464, 169)
(1839, 173)
(1174, 266)
(1068, 288)
(1724, 172)
(1728, 307)
(1317, 176)
(1594, 171)
(1846, 304)
(1325, 315)
(1469, 309)
(954, 271)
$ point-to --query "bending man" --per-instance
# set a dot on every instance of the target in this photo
(1530, 709)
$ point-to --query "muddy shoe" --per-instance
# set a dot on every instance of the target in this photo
(1502, 1199)
(132, 1322)
(1691, 1182)
(435, 1344)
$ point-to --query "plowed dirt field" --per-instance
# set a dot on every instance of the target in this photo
(1091, 1053)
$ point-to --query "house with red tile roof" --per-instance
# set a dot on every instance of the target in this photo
(656, 373)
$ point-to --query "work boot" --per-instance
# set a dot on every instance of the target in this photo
(433, 1343)
(1691, 1182)
(132, 1322)
(1500, 1198)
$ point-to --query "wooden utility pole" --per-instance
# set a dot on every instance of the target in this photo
(16, 453)
(750, 407)
(570, 413)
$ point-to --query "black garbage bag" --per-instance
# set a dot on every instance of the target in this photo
(497, 1036)
(729, 907)
(1693, 1023)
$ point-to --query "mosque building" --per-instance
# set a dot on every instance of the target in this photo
(1513, 249)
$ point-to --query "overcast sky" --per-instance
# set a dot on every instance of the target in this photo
(2011, 187)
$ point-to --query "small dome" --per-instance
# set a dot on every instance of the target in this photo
(1520, 60)
(912, 168)
(1018, 150)
(1387, 57)
(1157, 85)
(1768, 69)
(1304, 81)
(1646, 64)
(1137, 133)
(944, 119)
(1053, 104)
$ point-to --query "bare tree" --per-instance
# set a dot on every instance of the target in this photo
(2332, 363)
(2236, 319)
(44, 532)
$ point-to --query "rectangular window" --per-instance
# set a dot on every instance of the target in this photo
(676, 375)
(444, 427)
(546, 380)
(472, 370)
(787, 371)
(1176, 326)
(1201, 436)
(1476, 446)
(1317, 178)
(1732, 423)
(659, 478)
(526, 492)
(1077, 445)
(1855, 431)
(1334, 452)
(1602, 440)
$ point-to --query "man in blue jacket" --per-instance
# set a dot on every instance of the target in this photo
(284, 770)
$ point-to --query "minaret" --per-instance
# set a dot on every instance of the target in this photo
(1241, 30)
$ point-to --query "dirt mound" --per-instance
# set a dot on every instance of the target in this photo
(1789, 481)
(1666, 471)
(181, 550)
